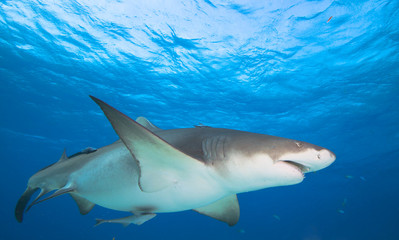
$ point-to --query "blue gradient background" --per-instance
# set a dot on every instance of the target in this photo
(273, 67)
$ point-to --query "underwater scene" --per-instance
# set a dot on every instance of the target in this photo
(199, 120)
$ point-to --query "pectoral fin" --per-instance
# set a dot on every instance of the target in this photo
(226, 210)
(160, 164)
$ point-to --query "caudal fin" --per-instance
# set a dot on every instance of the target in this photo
(22, 202)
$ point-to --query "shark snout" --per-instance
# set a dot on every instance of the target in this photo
(327, 156)
(332, 155)
(310, 160)
(324, 158)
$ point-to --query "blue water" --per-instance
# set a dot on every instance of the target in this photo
(272, 67)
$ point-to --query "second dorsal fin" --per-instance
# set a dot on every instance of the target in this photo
(63, 156)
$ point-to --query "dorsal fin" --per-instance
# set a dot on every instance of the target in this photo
(160, 164)
(63, 156)
(147, 124)
(226, 210)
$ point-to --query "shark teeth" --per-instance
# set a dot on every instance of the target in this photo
(298, 166)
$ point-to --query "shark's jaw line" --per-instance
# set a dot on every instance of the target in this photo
(301, 168)
(151, 170)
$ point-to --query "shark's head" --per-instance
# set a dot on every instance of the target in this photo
(305, 156)
(267, 161)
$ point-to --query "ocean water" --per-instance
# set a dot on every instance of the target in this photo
(325, 72)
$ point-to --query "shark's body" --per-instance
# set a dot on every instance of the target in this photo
(151, 170)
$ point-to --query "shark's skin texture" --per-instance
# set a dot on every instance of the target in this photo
(150, 170)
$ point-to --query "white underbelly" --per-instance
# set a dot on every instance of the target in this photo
(112, 182)
(178, 197)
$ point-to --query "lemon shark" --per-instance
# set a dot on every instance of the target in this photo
(150, 170)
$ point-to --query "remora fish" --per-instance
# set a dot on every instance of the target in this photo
(150, 170)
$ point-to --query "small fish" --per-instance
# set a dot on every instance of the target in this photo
(362, 178)
(113, 238)
(276, 217)
(349, 176)
(242, 231)
(329, 19)
(341, 211)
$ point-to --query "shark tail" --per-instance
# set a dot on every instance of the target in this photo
(22, 206)
(46, 181)
(23, 202)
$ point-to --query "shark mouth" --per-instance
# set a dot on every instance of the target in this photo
(302, 168)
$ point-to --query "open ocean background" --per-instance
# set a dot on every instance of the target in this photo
(272, 67)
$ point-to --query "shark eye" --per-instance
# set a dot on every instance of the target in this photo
(299, 144)
(318, 156)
